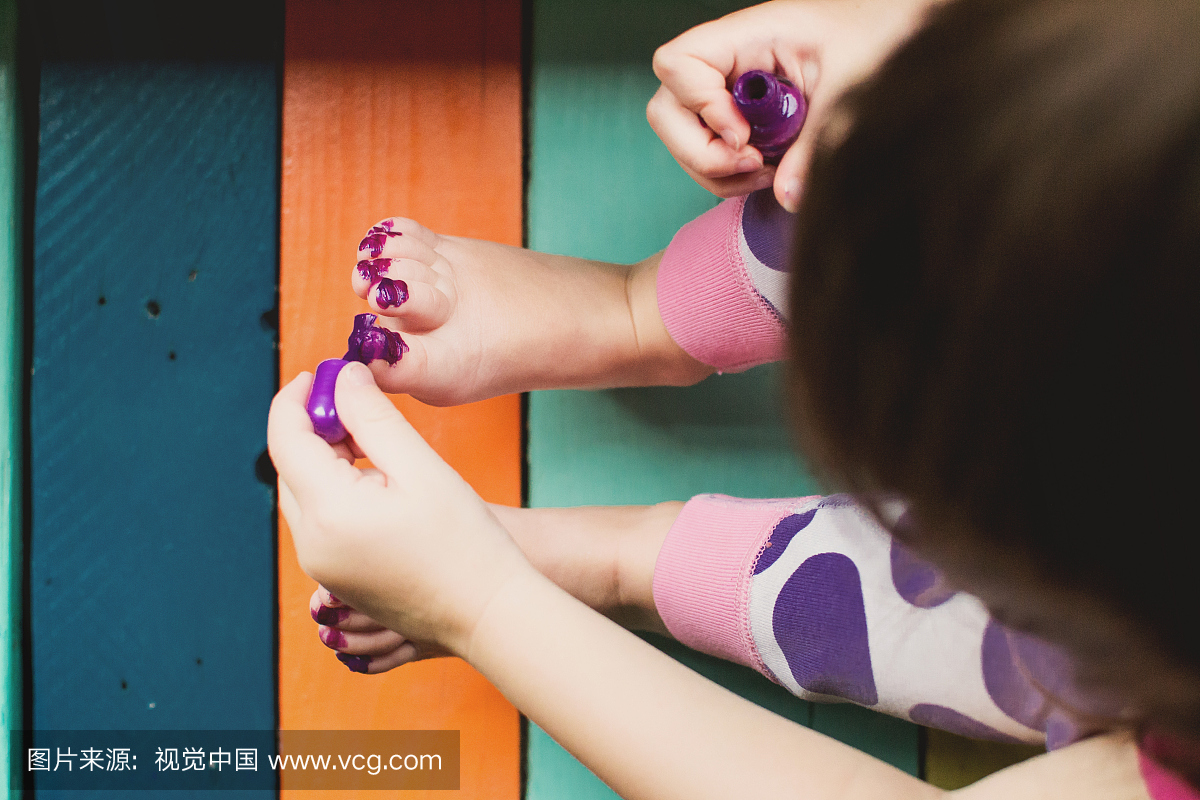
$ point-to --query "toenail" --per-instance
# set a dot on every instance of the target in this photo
(331, 637)
(390, 293)
(354, 663)
(324, 615)
(371, 269)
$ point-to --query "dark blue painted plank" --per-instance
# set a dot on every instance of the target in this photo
(152, 555)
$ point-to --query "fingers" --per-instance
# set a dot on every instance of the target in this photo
(382, 432)
(789, 174)
(695, 145)
(698, 84)
(304, 462)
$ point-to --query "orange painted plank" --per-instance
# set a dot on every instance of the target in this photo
(409, 109)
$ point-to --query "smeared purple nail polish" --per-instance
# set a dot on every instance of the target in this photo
(371, 269)
(324, 615)
(354, 663)
(373, 242)
(334, 599)
(332, 638)
(390, 293)
(368, 342)
(320, 406)
(775, 109)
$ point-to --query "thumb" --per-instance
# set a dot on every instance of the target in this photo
(379, 429)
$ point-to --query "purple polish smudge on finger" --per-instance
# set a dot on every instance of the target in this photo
(390, 293)
(354, 663)
(775, 109)
(368, 342)
(371, 269)
(321, 409)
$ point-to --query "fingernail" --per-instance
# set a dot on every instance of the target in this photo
(331, 637)
(371, 269)
(748, 165)
(373, 242)
(324, 615)
(731, 138)
(357, 374)
(390, 293)
(791, 194)
(354, 663)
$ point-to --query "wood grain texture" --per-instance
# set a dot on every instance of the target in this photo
(12, 406)
(152, 549)
(409, 109)
(602, 186)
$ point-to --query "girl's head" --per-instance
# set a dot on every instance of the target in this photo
(995, 312)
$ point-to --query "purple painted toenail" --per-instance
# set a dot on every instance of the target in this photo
(354, 663)
(390, 293)
(324, 615)
(368, 342)
(372, 269)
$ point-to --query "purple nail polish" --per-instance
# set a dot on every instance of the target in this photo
(320, 401)
(390, 293)
(775, 109)
(354, 663)
(324, 615)
(371, 269)
(368, 342)
(373, 242)
(333, 599)
(332, 638)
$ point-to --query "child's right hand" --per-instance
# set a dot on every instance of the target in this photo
(483, 319)
(823, 46)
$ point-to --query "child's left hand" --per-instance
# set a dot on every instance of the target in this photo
(409, 543)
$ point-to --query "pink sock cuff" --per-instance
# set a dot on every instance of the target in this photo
(707, 299)
(702, 576)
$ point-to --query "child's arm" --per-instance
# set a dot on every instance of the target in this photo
(410, 544)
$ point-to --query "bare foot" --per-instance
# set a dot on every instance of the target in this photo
(483, 319)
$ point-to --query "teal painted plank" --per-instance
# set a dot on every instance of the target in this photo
(602, 186)
(11, 405)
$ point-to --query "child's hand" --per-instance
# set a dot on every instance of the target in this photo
(408, 543)
(484, 319)
(823, 46)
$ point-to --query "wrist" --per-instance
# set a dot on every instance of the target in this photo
(658, 357)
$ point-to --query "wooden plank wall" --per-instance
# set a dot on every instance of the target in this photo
(409, 109)
(602, 186)
(152, 550)
(12, 406)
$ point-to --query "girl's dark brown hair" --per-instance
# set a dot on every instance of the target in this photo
(995, 305)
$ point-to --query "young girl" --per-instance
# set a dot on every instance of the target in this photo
(992, 311)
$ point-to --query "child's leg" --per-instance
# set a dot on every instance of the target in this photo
(483, 319)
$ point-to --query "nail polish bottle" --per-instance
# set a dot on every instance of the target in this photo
(775, 109)
(321, 409)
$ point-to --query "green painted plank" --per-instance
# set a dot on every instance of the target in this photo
(11, 407)
(602, 186)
